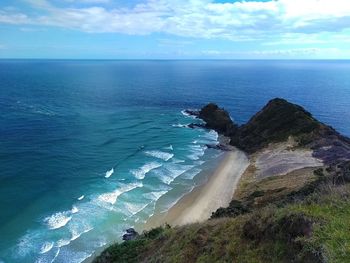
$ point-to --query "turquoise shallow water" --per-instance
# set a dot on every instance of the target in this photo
(88, 148)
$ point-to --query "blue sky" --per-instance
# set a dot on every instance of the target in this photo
(175, 29)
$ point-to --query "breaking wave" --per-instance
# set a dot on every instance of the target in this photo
(160, 155)
(113, 196)
(143, 170)
(109, 173)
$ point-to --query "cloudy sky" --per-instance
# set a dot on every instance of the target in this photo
(180, 29)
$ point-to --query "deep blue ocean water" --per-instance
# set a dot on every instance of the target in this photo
(89, 148)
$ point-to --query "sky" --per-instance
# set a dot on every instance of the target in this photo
(175, 29)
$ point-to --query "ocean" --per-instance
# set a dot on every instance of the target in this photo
(90, 148)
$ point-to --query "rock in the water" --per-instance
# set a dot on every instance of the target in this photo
(217, 119)
(220, 146)
(131, 234)
(192, 112)
(195, 125)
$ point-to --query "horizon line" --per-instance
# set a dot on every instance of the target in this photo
(187, 59)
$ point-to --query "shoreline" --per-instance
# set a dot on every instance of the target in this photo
(206, 198)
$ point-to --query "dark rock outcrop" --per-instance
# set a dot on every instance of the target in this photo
(235, 208)
(192, 112)
(217, 119)
(131, 234)
(276, 122)
(195, 125)
(220, 146)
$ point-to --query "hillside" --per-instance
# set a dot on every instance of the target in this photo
(292, 204)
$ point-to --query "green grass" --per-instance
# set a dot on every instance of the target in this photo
(332, 231)
(316, 229)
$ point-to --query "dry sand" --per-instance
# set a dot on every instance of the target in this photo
(199, 204)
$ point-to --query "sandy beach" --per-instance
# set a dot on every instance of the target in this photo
(199, 204)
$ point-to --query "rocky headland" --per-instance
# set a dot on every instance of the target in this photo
(291, 204)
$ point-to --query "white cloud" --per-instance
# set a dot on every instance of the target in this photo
(14, 18)
(195, 18)
(89, 1)
(285, 53)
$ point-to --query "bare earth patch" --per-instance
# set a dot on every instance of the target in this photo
(283, 158)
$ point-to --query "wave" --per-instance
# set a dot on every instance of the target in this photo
(154, 196)
(62, 242)
(81, 197)
(46, 247)
(113, 196)
(212, 135)
(180, 125)
(143, 170)
(74, 210)
(133, 209)
(76, 234)
(171, 171)
(196, 152)
(178, 161)
(170, 147)
(191, 174)
(160, 155)
(109, 173)
(56, 255)
(58, 220)
(184, 113)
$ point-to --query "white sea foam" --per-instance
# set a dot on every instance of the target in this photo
(46, 247)
(143, 170)
(133, 209)
(109, 173)
(170, 147)
(160, 155)
(56, 255)
(62, 242)
(191, 174)
(81, 197)
(76, 234)
(196, 152)
(171, 171)
(177, 160)
(58, 220)
(184, 113)
(178, 125)
(154, 195)
(212, 135)
(113, 196)
(74, 210)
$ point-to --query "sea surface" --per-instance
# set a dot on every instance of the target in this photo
(90, 148)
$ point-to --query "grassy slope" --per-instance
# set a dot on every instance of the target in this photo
(314, 229)
(332, 232)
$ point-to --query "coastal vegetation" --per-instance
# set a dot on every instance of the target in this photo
(301, 215)
(309, 225)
